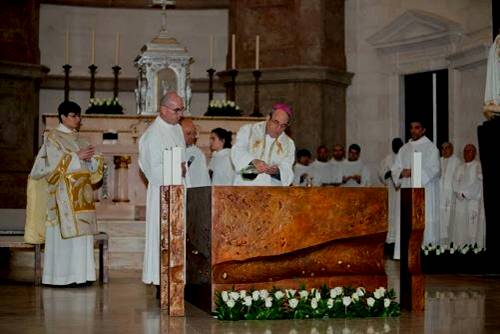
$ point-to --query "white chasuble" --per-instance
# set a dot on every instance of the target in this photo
(68, 211)
(430, 181)
(159, 136)
(252, 142)
(468, 223)
(446, 196)
(222, 168)
(198, 170)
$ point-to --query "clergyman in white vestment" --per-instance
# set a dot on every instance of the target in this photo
(354, 171)
(320, 168)
(302, 169)
(468, 226)
(337, 163)
(196, 160)
(220, 166)
(384, 174)
(60, 208)
(263, 154)
(165, 132)
(449, 164)
(401, 175)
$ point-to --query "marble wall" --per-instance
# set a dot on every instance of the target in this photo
(390, 38)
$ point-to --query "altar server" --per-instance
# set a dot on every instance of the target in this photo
(321, 170)
(302, 169)
(354, 171)
(220, 166)
(449, 164)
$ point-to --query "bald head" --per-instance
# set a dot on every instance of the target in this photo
(171, 107)
(189, 130)
(469, 152)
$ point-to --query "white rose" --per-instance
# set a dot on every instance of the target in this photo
(336, 292)
(230, 303)
(234, 295)
(303, 294)
(243, 294)
(360, 292)
(329, 303)
(317, 295)
(290, 293)
(264, 294)
(438, 252)
(346, 301)
(237, 108)
(355, 297)
(370, 301)
(255, 295)
(269, 302)
(225, 296)
(293, 303)
(426, 252)
(314, 303)
(452, 250)
(247, 301)
(279, 294)
(387, 302)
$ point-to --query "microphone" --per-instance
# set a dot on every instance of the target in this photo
(190, 161)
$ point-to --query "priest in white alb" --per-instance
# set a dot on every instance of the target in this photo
(302, 168)
(354, 171)
(401, 173)
(321, 170)
(165, 132)
(449, 164)
(196, 160)
(60, 208)
(468, 226)
(263, 154)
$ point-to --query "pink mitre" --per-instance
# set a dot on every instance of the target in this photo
(285, 107)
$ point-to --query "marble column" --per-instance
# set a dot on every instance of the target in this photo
(121, 177)
(302, 59)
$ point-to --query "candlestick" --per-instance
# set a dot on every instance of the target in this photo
(231, 91)
(210, 72)
(117, 49)
(116, 71)
(211, 42)
(92, 69)
(416, 170)
(257, 49)
(66, 47)
(92, 47)
(233, 51)
(256, 104)
(66, 68)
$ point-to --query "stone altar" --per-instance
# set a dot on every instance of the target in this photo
(265, 237)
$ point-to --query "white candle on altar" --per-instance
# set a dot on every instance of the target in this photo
(233, 51)
(66, 47)
(92, 47)
(416, 170)
(167, 167)
(117, 49)
(176, 165)
(257, 49)
(211, 48)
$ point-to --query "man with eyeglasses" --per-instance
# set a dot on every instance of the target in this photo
(60, 208)
(263, 154)
(165, 132)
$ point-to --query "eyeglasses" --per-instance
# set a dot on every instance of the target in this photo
(73, 115)
(176, 110)
(278, 124)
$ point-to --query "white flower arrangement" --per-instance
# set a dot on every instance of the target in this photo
(104, 106)
(431, 249)
(222, 108)
(339, 302)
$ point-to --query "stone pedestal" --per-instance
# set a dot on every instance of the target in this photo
(283, 237)
(121, 177)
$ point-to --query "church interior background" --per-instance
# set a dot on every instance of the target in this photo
(340, 64)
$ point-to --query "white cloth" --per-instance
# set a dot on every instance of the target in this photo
(159, 136)
(468, 224)
(492, 88)
(350, 168)
(222, 168)
(394, 198)
(336, 171)
(321, 172)
(69, 260)
(303, 172)
(198, 170)
(446, 196)
(430, 181)
(252, 142)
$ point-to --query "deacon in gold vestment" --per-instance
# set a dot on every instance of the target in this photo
(60, 208)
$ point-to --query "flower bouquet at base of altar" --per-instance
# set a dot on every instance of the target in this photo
(104, 106)
(222, 108)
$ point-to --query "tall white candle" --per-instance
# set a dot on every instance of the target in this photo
(233, 51)
(257, 50)
(211, 48)
(117, 49)
(66, 47)
(176, 165)
(167, 167)
(92, 47)
(416, 170)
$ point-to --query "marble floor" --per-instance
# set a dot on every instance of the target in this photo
(454, 304)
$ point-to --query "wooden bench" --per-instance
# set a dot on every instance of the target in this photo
(17, 242)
